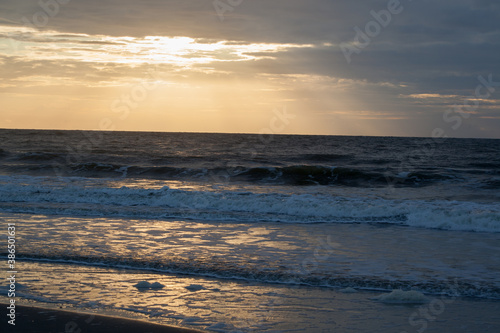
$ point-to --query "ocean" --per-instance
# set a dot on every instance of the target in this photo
(267, 233)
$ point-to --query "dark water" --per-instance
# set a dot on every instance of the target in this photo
(256, 159)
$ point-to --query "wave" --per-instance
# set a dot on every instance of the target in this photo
(294, 175)
(215, 268)
(244, 206)
(315, 175)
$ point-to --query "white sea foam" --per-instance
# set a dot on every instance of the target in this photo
(142, 285)
(194, 287)
(147, 285)
(400, 296)
(34, 196)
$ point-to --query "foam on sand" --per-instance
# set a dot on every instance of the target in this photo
(142, 285)
(402, 297)
(146, 285)
(194, 287)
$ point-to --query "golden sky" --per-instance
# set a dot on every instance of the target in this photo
(122, 65)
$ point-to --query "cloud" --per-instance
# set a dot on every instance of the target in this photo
(428, 56)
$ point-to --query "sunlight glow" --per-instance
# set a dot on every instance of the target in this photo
(178, 51)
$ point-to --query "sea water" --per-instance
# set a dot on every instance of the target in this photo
(258, 233)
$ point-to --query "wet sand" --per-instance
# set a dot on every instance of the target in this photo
(35, 319)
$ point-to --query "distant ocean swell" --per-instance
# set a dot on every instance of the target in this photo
(215, 268)
(243, 206)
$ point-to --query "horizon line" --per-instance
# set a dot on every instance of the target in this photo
(247, 133)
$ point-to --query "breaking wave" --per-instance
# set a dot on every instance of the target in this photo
(244, 206)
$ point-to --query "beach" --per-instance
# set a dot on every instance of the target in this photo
(37, 319)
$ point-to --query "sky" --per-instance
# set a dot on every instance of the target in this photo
(366, 67)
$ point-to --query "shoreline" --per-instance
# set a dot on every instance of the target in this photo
(40, 319)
